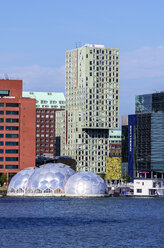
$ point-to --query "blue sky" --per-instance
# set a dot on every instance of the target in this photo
(35, 34)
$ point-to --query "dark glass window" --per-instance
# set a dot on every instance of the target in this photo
(4, 93)
(11, 151)
(11, 128)
(1, 104)
(1, 158)
(11, 159)
(11, 112)
(1, 127)
(11, 166)
(1, 150)
(11, 143)
(1, 112)
(11, 135)
(1, 143)
(12, 105)
(1, 135)
(12, 120)
(1, 166)
(1, 120)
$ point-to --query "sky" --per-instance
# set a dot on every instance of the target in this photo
(35, 34)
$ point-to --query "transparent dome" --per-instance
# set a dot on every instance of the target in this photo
(50, 178)
(19, 182)
(85, 183)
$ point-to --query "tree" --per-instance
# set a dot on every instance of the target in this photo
(126, 177)
(3, 178)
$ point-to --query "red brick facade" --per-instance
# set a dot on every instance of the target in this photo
(17, 128)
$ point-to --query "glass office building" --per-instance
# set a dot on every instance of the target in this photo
(146, 137)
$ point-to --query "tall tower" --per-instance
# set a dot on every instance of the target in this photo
(92, 104)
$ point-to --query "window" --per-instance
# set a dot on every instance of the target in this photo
(1, 135)
(12, 112)
(1, 127)
(11, 151)
(139, 190)
(11, 159)
(12, 120)
(11, 128)
(11, 135)
(1, 158)
(1, 120)
(12, 105)
(1, 112)
(1, 166)
(1, 143)
(1, 104)
(4, 93)
(1, 150)
(11, 143)
(11, 166)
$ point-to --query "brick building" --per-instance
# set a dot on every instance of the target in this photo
(47, 104)
(17, 128)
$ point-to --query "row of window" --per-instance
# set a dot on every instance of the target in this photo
(9, 104)
(9, 120)
(9, 158)
(52, 106)
(7, 143)
(9, 112)
(45, 111)
(43, 116)
(8, 128)
(9, 135)
(9, 151)
(9, 166)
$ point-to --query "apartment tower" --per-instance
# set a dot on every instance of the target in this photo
(92, 104)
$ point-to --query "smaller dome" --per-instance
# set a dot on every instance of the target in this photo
(19, 182)
(85, 183)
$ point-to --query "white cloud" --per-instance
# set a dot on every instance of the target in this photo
(146, 62)
(37, 78)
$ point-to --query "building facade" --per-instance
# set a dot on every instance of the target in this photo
(92, 104)
(47, 104)
(17, 128)
(146, 137)
(113, 162)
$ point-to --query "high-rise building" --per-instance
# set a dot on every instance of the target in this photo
(92, 104)
(146, 137)
(47, 104)
(17, 128)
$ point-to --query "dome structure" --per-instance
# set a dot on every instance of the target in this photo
(19, 182)
(50, 178)
(55, 179)
(85, 183)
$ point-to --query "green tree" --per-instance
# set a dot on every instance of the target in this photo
(126, 177)
(3, 178)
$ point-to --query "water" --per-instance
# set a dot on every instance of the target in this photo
(81, 222)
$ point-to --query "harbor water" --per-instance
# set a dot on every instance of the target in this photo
(81, 222)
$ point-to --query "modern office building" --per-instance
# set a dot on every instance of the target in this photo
(92, 104)
(17, 128)
(146, 137)
(47, 104)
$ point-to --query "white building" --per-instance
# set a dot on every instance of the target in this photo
(148, 187)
